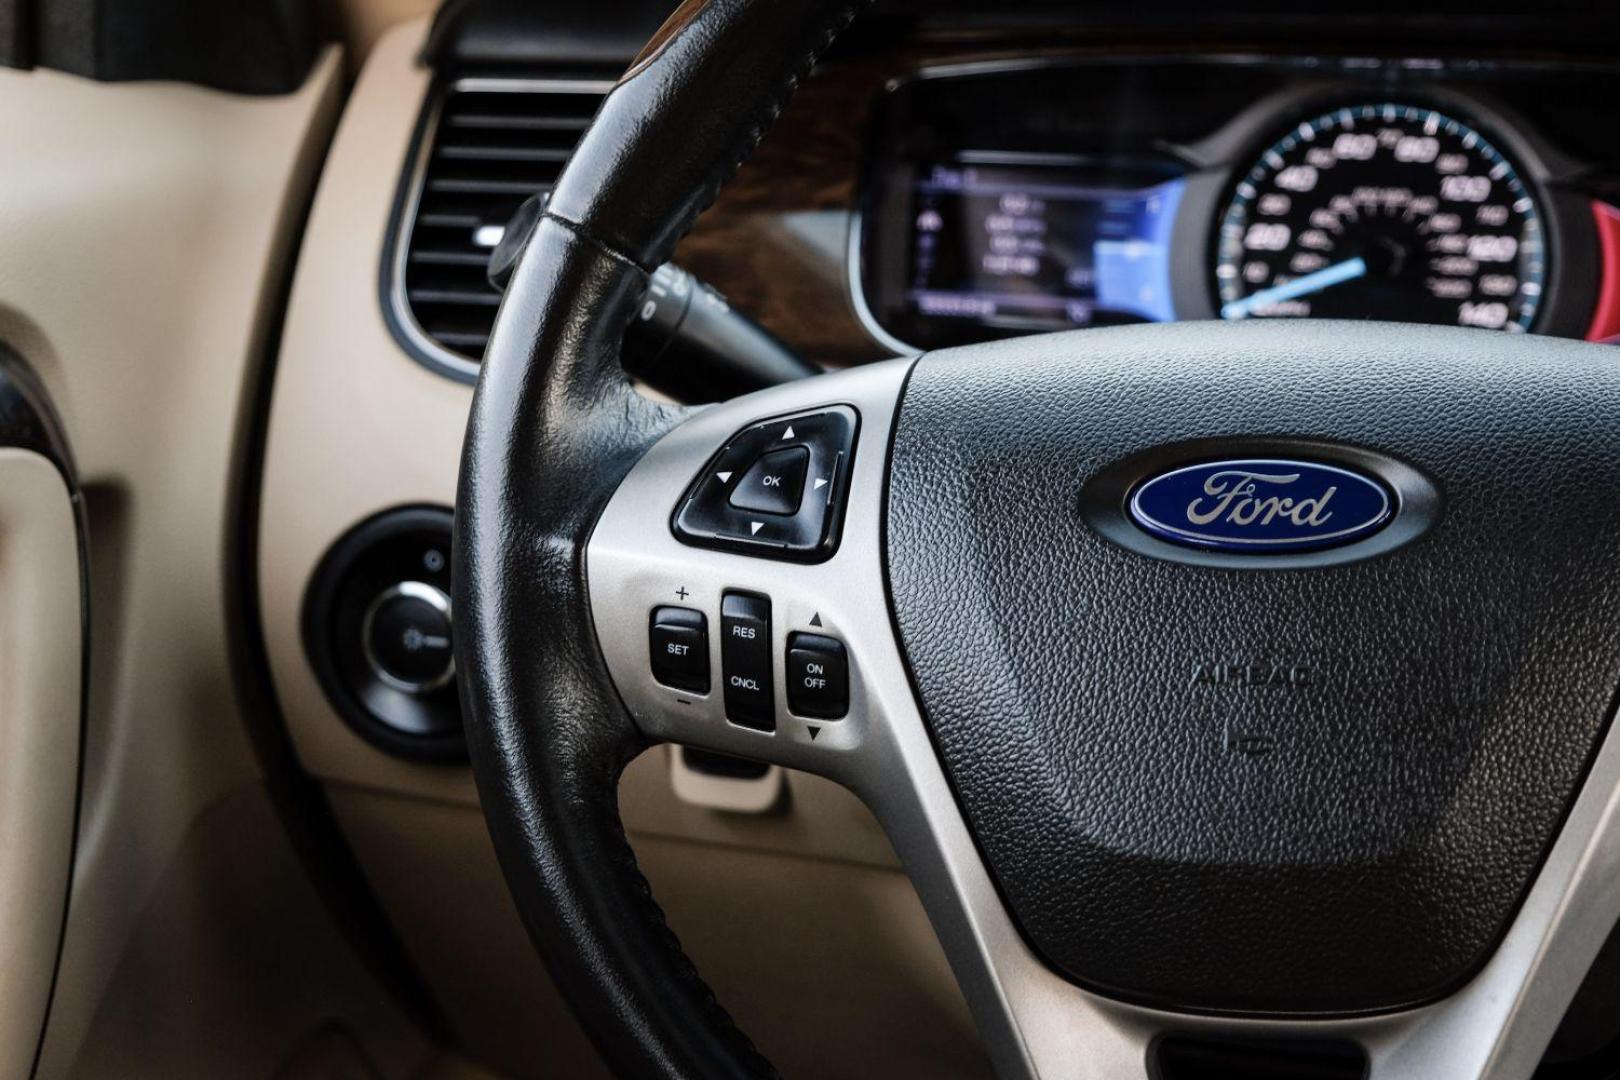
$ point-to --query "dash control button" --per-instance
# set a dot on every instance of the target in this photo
(745, 660)
(405, 636)
(817, 677)
(678, 641)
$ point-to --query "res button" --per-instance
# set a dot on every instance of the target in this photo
(745, 660)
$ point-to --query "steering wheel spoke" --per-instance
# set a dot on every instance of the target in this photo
(1036, 1022)
(791, 682)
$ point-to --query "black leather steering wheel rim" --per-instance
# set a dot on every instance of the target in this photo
(555, 426)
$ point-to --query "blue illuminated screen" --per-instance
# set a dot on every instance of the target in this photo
(1042, 247)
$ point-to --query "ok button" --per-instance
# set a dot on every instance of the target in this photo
(774, 484)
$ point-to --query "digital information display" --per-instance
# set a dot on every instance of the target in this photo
(1041, 247)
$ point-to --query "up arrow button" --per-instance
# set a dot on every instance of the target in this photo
(774, 484)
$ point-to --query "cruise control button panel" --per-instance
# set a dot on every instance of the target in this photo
(777, 489)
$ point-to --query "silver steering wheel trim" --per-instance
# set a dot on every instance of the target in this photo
(1035, 1023)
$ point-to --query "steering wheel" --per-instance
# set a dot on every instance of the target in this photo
(1212, 681)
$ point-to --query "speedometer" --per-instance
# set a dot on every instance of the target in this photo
(1383, 212)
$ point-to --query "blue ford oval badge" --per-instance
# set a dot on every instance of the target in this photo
(1261, 505)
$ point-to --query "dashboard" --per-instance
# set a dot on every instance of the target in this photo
(1030, 195)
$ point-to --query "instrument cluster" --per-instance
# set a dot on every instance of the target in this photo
(1021, 197)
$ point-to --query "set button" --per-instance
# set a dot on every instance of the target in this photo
(679, 642)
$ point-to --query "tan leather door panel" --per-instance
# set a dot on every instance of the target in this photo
(41, 666)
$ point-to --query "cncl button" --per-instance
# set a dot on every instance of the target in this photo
(745, 660)
(817, 677)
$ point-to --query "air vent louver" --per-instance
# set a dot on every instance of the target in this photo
(494, 143)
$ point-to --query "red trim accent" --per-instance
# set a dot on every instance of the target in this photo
(1606, 318)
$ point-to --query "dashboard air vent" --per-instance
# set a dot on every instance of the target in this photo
(486, 145)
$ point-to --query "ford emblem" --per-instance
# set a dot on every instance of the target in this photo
(1261, 505)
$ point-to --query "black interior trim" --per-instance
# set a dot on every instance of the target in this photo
(243, 47)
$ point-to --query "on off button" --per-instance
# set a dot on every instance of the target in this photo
(817, 677)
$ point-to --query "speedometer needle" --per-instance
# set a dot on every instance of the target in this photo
(1325, 278)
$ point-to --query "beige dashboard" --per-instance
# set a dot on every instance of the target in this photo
(143, 231)
(784, 891)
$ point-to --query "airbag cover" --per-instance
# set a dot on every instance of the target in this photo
(1291, 789)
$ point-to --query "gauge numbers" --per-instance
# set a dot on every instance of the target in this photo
(1383, 212)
